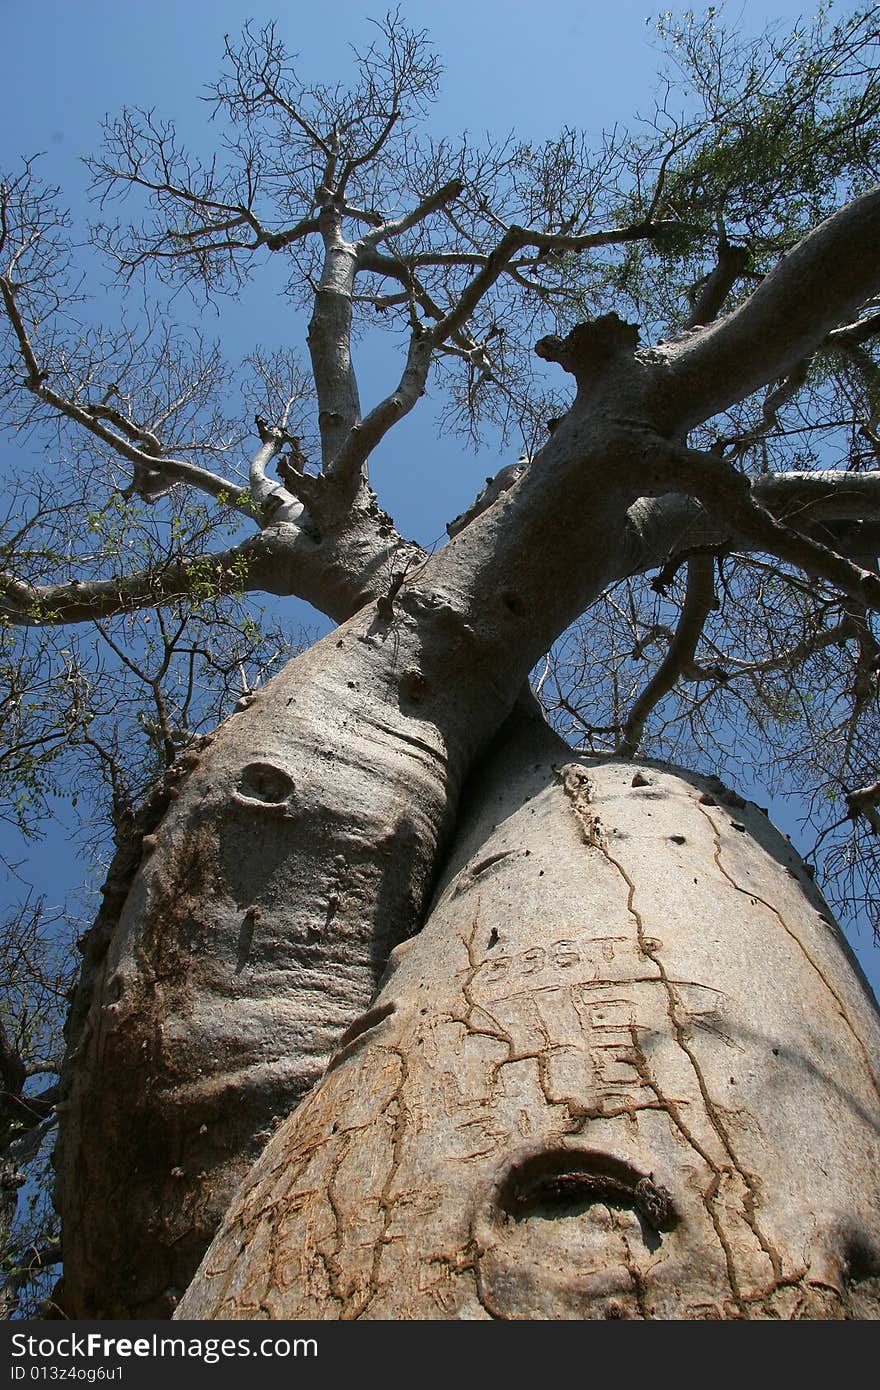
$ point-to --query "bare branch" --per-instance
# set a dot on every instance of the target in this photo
(852, 334)
(836, 636)
(154, 473)
(494, 262)
(666, 530)
(366, 434)
(272, 500)
(84, 601)
(699, 600)
(369, 154)
(864, 802)
(34, 376)
(609, 236)
(720, 487)
(802, 498)
(822, 283)
(428, 204)
(710, 294)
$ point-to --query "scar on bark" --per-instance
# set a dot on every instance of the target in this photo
(355, 1035)
(559, 1182)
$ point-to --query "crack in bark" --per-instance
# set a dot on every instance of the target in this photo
(579, 791)
(649, 950)
(386, 1201)
(632, 1268)
(756, 897)
(593, 837)
(330, 1259)
(248, 1217)
(750, 1200)
(474, 967)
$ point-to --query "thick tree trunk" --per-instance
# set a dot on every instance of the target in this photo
(242, 935)
(236, 945)
(627, 1069)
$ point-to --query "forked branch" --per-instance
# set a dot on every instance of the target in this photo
(724, 491)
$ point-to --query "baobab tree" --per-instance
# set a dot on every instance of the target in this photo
(397, 1005)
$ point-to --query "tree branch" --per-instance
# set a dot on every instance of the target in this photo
(666, 530)
(79, 601)
(863, 802)
(337, 573)
(273, 501)
(369, 154)
(836, 636)
(854, 334)
(802, 498)
(138, 446)
(699, 600)
(329, 340)
(431, 203)
(722, 489)
(818, 286)
(712, 291)
(609, 236)
(367, 433)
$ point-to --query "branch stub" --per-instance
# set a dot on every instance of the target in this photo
(588, 346)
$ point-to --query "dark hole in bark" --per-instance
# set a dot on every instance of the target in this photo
(861, 1261)
(413, 686)
(114, 990)
(263, 782)
(514, 604)
(564, 1182)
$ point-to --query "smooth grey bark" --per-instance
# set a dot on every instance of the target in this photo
(295, 850)
(627, 1069)
(329, 338)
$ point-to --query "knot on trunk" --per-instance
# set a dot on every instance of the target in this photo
(589, 346)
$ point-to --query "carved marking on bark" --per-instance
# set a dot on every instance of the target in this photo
(634, 1273)
(579, 796)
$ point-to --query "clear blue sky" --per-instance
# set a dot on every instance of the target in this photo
(508, 66)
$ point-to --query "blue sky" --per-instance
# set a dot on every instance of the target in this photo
(508, 66)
